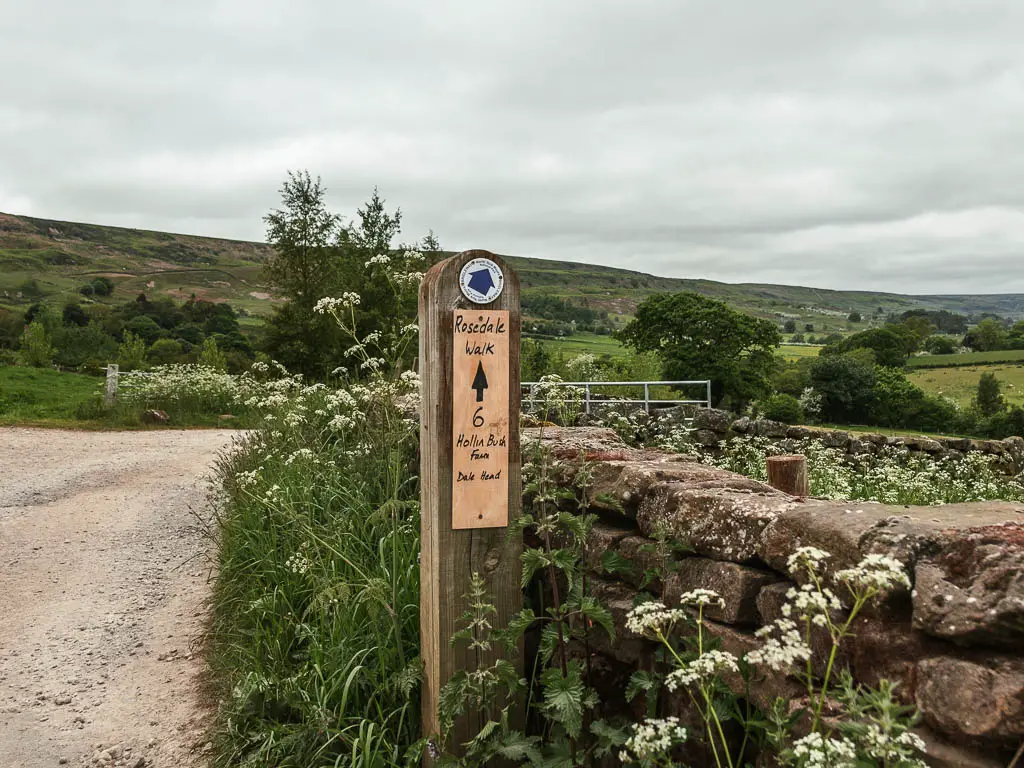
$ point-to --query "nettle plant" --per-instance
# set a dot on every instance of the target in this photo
(838, 724)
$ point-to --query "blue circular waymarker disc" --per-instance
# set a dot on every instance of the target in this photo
(481, 281)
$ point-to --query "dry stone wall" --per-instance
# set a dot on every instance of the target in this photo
(712, 428)
(955, 642)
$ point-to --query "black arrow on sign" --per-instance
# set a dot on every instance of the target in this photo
(479, 382)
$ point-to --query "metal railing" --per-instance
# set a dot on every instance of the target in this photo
(531, 388)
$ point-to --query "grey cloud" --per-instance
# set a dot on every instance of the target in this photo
(858, 145)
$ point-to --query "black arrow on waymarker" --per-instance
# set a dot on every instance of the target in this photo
(479, 382)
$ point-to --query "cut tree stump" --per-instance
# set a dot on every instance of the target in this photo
(788, 474)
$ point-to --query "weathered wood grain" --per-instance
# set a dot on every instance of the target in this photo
(449, 556)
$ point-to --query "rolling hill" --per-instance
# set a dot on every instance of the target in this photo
(51, 260)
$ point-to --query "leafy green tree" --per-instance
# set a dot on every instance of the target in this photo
(211, 357)
(164, 352)
(891, 344)
(83, 346)
(789, 326)
(854, 317)
(102, 286)
(921, 326)
(36, 349)
(987, 336)
(305, 267)
(896, 401)
(131, 354)
(145, 327)
(989, 399)
(809, 327)
(845, 384)
(702, 338)
(534, 360)
(940, 345)
(372, 262)
(74, 314)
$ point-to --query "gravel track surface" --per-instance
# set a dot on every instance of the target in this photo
(103, 589)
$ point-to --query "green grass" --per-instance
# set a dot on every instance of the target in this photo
(315, 638)
(967, 358)
(961, 382)
(40, 395)
(580, 343)
(794, 352)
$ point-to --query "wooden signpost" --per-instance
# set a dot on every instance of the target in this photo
(469, 462)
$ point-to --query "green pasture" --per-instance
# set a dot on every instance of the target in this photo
(967, 358)
(41, 395)
(961, 382)
(580, 343)
(794, 352)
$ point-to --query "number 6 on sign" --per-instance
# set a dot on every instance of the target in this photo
(480, 428)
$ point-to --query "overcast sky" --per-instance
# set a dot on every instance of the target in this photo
(875, 145)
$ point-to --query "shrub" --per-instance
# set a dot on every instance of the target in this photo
(78, 347)
(164, 352)
(36, 350)
(782, 407)
(940, 345)
(211, 357)
(131, 354)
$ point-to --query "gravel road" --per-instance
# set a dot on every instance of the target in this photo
(103, 579)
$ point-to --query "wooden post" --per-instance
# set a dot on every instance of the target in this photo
(469, 462)
(788, 474)
(110, 393)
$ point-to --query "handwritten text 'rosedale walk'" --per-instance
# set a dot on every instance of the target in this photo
(480, 425)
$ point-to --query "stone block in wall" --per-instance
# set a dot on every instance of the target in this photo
(940, 753)
(629, 482)
(603, 538)
(973, 700)
(648, 562)
(835, 438)
(798, 433)
(973, 591)
(851, 530)
(626, 647)
(768, 685)
(712, 419)
(738, 585)
(888, 650)
(925, 444)
(769, 428)
(874, 438)
(741, 425)
(859, 447)
(706, 437)
(769, 609)
(722, 523)
(961, 444)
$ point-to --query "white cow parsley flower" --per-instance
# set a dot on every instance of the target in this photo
(652, 738)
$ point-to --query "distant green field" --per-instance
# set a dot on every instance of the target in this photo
(42, 395)
(968, 358)
(794, 352)
(961, 382)
(580, 343)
